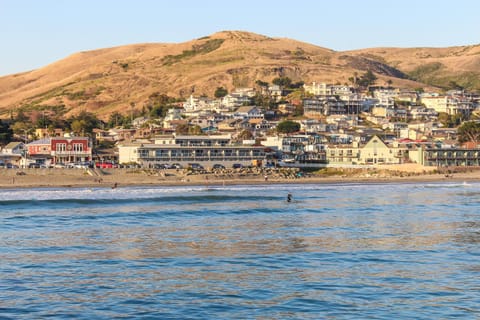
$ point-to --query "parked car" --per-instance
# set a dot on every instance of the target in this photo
(218, 166)
(11, 166)
(269, 165)
(81, 165)
(34, 165)
(195, 166)
(237, 165)
(176, 166)
(105, 164)
(162, 166)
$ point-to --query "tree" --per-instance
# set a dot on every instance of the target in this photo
(220, 92)
(444, 119)
(245, 135)
(158, 105)
(261, 84)
(450, 121)
(367, 79)
(299, 111)
(181, 129)
(284, 82)
(297, 85)
(195, 130)
(288, 126)
(184, 129)
(42, 121)
(263, 100)
(115, 119)
(354, 79)
(6, 133)
(454, 86)
(21, 116)
(160, 98)
(22, 129)
(469, 131)
(84, 123)
(78, 127)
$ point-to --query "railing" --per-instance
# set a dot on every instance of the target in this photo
(71, 153)
(202, 158)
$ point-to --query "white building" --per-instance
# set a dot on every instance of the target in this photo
(451, 105)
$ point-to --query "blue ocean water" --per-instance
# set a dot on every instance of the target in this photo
(339, 251)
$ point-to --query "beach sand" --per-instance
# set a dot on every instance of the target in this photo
(31, 178)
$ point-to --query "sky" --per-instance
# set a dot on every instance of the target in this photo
(34, 33)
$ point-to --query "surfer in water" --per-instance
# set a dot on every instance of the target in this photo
(289, 197)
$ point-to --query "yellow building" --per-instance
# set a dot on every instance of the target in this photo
(375, 151)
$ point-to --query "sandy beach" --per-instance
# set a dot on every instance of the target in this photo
(31, 178)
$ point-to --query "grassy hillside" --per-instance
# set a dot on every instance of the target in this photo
(112, 79)
(440, 67)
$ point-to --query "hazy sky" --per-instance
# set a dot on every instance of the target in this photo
(34, 33)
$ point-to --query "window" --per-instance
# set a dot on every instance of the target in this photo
(61, 147)
(77, 147)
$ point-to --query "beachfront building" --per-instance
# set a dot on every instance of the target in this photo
(343, 155)
(12, 154)
(375, 151)
(205, 150)
(54, 150)
(300, 150)
(448, 157)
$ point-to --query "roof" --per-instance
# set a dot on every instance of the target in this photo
(41, 141)
(246, 109)
(255, 121)
(13, 145)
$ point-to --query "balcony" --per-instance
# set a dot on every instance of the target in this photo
(71, 153)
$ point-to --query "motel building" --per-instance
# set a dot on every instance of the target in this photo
(205, 150)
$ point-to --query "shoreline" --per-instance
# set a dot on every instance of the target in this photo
(78, 178)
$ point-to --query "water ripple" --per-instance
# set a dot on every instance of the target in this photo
(349, 251)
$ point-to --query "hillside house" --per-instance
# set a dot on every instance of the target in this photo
(449, 104)
(248, 112)
(229, 125)
(200, 103)
(41, 133)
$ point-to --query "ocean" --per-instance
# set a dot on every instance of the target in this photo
(336, 251)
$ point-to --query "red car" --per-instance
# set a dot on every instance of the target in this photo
(105, 165)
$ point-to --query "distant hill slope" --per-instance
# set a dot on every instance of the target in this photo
(432, 66)
(107, 80)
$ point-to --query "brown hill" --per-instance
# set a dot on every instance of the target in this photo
(433, 66)
(107, 80)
